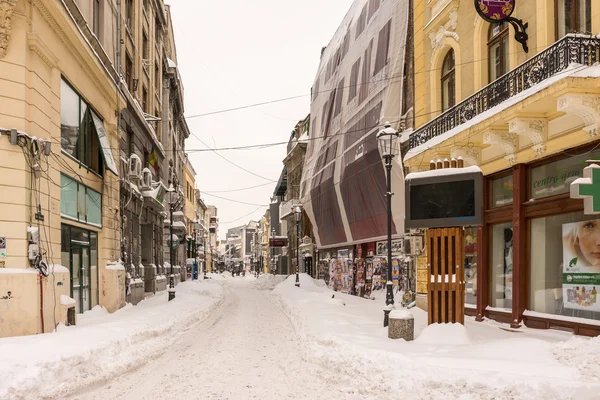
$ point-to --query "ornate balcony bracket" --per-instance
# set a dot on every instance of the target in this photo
(488, 15)
(535, 129)
(6, 10)
(587, 107)
(471, 156)
(505, 140)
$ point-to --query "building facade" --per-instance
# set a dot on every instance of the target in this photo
(529, 120)
(59, 117)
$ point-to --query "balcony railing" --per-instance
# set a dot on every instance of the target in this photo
(572, 49)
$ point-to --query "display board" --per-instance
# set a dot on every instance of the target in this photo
(357, 89)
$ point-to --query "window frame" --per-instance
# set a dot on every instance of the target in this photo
(96, 18)
(82, 219)
(492, 41)
(574, 18)
(449, 77)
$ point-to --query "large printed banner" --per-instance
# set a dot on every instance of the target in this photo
(357, 89)
(581, 265)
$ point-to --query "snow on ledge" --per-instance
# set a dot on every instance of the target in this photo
(401, 314)
(566, 318)
(442, 172)
(67, 301)
(115, 266)
(58, 269)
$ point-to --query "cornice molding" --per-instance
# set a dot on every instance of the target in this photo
(38, 46)
(6, 10)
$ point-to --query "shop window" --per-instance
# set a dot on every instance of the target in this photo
(80, 203)
(556, 177)
(448, 81)
(565, 266)
(573, 16)
(497, 50)
(502, 191)
(501, 255)
(471, 266)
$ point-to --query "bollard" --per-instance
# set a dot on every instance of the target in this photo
(401, 325)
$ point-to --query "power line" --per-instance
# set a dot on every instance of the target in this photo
(236, 190)
(243, 216)
(236, 201)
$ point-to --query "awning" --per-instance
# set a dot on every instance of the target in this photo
(107, 156)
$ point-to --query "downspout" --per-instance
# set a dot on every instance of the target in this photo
(41, 303)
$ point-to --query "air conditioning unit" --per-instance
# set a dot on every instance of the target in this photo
(146, 183)
(135, 167)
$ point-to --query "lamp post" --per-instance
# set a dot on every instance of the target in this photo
(387, 141)
(273, 266)
(196, 242)
(205, 236)
(172, 198)
(298, 215)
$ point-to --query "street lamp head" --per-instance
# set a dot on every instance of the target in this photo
(171, 194)
(387, 140)
(298, 213)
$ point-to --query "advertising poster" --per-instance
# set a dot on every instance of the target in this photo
(335, 274)
(369, 277)
(377, 275)
(344, 253)
(347, 275)
(384, 273)
(323, 271)
(395, 271)
(581, 265)
(360, 273)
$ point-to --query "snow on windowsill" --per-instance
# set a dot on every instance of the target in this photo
(57, 269)
(499, 309)
(471, 306)
(115, 266)
(18, 271)
(566, 318)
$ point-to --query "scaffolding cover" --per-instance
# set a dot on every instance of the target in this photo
(357, 89)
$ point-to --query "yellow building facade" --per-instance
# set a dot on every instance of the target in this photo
(529, 120)
(58, 116)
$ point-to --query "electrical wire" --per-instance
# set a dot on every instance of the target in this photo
(236, 201)
(236, 190)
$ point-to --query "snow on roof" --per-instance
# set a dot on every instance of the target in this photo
(442, 172)
(573, 70)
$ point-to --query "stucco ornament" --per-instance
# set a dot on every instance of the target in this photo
(6, 10)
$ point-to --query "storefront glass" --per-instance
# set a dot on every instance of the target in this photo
(502, 191)
(501, 266)
(565, 265)
(471, 266)
(555, 177)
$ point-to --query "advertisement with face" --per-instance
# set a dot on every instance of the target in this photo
(581, 265)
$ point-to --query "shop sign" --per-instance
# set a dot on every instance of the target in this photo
(581, 265)
(495, 10)
(344, 253)
(278, 242)
(588, 189)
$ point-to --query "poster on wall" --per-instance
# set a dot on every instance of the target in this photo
(581, 265)
(335, 274)
(377, 275)
(323, 271)
(360, 273)
(347, 275)
(369, 277)
(397, 248)
(344, 253)
(395, 271)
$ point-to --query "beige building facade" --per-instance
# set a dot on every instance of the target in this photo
(59, 104)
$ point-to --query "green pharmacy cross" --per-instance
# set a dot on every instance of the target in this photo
(588, 189)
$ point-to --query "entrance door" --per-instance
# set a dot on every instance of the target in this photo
(81, 273)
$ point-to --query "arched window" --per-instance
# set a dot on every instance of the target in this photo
(448, 81)
(573, 16)
(498, 50)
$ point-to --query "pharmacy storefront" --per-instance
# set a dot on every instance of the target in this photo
(541, 249)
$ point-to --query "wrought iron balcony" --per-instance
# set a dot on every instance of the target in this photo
(572, 49)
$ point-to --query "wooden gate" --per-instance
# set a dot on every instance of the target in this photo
(445, 266)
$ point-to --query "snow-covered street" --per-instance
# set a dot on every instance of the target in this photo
(247, 338)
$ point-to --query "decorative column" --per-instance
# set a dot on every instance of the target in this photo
(6, 10)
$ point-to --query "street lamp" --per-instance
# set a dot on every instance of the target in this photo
(273, 266)
(205, 236)
(298, 215)
(196, 241)
(387, 141)
(172, 194)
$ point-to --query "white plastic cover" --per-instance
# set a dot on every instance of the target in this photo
(357, 89)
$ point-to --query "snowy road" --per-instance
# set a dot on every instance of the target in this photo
(246, 349)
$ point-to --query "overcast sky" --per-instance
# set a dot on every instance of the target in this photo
(237, 52)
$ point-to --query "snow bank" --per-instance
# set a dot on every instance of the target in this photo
(102, 345)
(485, 360)
(269, 281)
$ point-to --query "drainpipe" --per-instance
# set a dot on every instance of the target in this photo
(41, 303)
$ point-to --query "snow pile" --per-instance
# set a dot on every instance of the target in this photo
(269, 281)
(486, 360)
(101, 345)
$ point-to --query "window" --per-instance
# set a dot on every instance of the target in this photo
(502, 191)
(471, 266)
(573, 16)
(373, 7)
(145, 99)
(145, 49)
(129, 15)
(338, 99)
(129, 72)
(96, 18)
(80, 203)
(498, 50)
(501, 265)
(354, 80)
(362, 21)
(130, 142)
(315, 90)
(448, 81)
(83, 136)
(564, 268)
(383, 48)
(366, 74)
(157, 78)
(157, 31)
